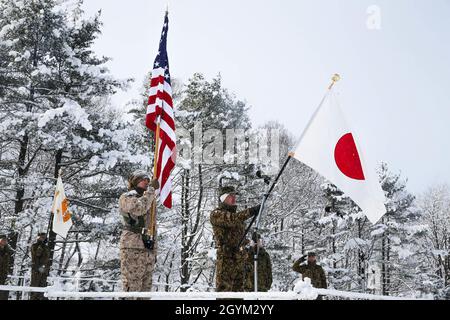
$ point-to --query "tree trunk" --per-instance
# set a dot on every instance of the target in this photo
(383, 264)
(19, 201)
(361, 260)
(22, 170)
(385, 268)
(185, 274)
(61, 259)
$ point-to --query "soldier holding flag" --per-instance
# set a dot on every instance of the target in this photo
(137, 251)
(138, 205)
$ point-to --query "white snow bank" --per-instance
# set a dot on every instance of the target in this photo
(305, 290)
(302, 291)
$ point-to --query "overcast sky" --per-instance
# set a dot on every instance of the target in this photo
(279, 56)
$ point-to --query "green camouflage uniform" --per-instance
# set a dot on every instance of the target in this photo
(264, 271)
(137, 262)
(312, 271)
(229, 228)
(5, 257)
(40, 258)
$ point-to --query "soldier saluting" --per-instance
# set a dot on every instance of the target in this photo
(311, 270)
(229, 228)
(137, 250)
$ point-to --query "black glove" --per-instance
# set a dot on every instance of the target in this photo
(255, 210)
(149, 243)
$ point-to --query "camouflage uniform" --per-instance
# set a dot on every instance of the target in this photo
(5, 257)
(229, 228)
(264, 271)
(137, 262)
(40, 257)
(312, 271)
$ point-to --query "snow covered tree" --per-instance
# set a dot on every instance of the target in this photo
(392, 236)
(55, 113)
(54, 97)
(205, 112)
(290, 216)
(388, 245)
(433, 272)
(331, 234)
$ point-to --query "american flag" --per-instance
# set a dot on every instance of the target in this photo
(160, 108)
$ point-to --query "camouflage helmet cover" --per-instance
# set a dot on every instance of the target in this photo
(136, 177)
(227, 190)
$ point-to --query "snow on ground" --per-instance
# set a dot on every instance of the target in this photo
(303, 290)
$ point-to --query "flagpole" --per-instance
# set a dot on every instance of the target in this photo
(155, 167)
(50, 223)
(152, 229)
(336, 77)
(156, 154)
(257, 217)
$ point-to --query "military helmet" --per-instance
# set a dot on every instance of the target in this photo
(227, 190)
(3, 236)
(42, 234)
(136, 177)
(311, 254)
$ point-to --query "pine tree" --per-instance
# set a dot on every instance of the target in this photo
(392, 231)
(330, 231)
(291, 212)
(208, 105)
(432, 274)
(54, 115)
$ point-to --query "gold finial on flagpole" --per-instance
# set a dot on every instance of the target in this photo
(335, 79)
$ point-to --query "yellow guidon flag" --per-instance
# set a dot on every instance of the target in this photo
(62, 218)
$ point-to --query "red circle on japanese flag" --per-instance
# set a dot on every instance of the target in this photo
(347, 158)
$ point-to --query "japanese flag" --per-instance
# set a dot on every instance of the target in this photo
(328, 145)
(62, 218)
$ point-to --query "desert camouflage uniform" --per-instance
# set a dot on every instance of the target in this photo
(264, 271)
(229, 228)
(137, 262)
